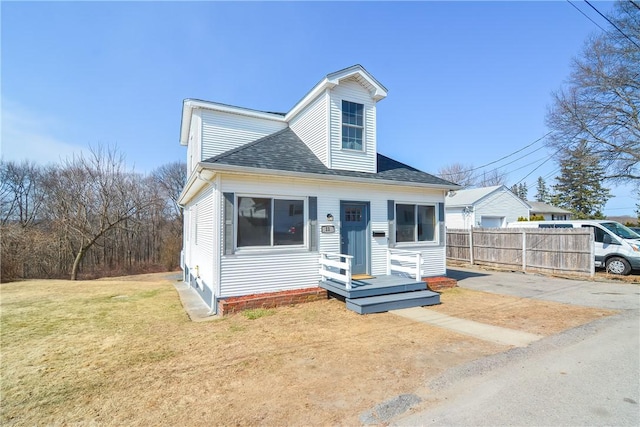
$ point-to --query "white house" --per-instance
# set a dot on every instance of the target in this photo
(494, 206)
(549, 212)
(268, 193)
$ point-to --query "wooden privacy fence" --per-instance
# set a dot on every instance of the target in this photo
(556, 250)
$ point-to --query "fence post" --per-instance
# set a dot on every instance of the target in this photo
(388, 262)
(524, 251)
(419, 267)
(592, 265)
(471, 245)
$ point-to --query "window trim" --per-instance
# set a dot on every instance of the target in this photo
(436, 224)
(271, 247)
(363, 127)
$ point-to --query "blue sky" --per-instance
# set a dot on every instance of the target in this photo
(468, 82)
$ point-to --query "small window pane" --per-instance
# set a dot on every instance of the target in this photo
(353, 215)
(254, 221)
(426, 223)
(351, 138)
(288, 220)
(405, 223)
(358, 114)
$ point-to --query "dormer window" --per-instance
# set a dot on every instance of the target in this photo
(352, 125)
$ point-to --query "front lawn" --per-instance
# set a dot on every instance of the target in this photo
(121, 351)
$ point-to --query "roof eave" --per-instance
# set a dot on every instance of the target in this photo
(316, 176)
(198, 179)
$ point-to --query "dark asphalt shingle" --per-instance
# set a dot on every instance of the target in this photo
(285, 151)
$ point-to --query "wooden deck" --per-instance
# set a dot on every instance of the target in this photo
(380, 285)
(382, 293)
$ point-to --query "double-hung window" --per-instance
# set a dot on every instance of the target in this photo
(352, 125)
(270, 222)
(415, 223)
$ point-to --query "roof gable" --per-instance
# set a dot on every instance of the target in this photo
(355, 72)
(474, 196)
(471, 196)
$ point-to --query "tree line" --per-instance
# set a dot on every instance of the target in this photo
(88, 216)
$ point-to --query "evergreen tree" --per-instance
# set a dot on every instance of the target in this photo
(579, 186)
(522, 191)
(543, 191)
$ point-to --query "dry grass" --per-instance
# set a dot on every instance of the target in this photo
(529, 315)
(123, 352)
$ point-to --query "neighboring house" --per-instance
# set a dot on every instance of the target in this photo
(549, 212)
(484, 207)
(268, 193)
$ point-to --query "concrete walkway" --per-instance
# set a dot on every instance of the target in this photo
(196, 309)
(479, 330)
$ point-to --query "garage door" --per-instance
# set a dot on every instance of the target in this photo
(491, 221)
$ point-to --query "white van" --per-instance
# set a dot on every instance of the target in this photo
(617, 247)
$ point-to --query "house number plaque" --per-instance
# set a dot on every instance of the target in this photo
(326, 229)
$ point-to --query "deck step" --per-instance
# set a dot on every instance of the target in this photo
(361, 289)
(381, 303)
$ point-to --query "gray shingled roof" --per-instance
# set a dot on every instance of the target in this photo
(285, 151)
(539, 207)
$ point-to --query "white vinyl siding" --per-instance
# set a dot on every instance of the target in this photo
(271, 270)
(194, 144)
(455, 218)
(310, 126)
(199, 249)
(362, 161)
(501, 204)
(223, 131)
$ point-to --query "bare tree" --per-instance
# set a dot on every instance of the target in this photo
(458, 173)
(601, 103)
(171, 178)
(92, 195)
(21, 192)
(491, 178)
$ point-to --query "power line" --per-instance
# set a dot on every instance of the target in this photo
(586, 16)
(444, 175)
(498, 169)
(509, 155)
(614, 25)
(535, 169)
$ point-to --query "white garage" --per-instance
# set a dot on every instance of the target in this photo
(491, 207)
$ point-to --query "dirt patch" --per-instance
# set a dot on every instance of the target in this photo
(123, 352)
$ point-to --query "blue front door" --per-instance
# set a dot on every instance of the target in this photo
(354, 236)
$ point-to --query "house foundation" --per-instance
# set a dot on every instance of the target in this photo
(233, 305)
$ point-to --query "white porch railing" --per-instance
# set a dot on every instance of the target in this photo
(328, 261)
(411, 257)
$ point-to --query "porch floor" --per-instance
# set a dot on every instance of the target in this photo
(379, 285)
